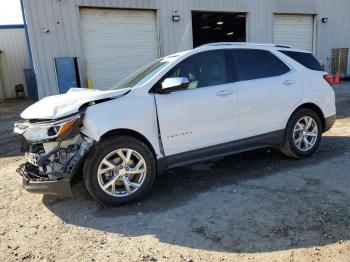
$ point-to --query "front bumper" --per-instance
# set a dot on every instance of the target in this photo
(28, 181)
(329, 122)
(51, 172)
(60, 187)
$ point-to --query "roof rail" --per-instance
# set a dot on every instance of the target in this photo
(242, 43)
(283, 46)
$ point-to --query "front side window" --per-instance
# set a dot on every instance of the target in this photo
(202, 70)
(255, 64)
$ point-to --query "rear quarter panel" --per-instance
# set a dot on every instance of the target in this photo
(315, 89)
(319, 92)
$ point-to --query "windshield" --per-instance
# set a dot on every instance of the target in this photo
(142, 75)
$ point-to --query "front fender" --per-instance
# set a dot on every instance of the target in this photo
(135, 112)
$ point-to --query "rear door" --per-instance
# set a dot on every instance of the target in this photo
(268, 90)
(203, 115)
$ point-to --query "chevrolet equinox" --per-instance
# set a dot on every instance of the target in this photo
(212, 101)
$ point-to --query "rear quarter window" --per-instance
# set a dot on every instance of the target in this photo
(306, 59)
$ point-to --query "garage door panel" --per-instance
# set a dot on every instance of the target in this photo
(117, 43)
(294, 30)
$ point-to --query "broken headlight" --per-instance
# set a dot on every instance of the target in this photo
(44, 131)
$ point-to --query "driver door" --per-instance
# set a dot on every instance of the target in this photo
(203, 115)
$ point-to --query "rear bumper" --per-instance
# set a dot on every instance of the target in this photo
(329, 122)
(29, 182)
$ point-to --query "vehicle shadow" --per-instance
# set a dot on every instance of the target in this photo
(251, 202)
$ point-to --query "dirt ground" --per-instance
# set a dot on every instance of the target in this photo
(256, 206)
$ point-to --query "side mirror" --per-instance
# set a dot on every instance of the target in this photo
(173, 84)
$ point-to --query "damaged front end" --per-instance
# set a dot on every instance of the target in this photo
(54, 151)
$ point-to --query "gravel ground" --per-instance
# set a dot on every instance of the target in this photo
(256, 206)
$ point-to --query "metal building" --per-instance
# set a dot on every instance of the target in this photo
(14, 59)
(96, 43)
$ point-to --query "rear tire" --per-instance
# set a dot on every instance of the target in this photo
(302, 134)
(119, 170)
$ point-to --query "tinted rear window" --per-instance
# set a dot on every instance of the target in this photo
(255, 64)
(306, 59)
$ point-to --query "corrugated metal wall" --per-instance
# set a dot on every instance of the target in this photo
(13, 60)
(62, 20)
(335, 33)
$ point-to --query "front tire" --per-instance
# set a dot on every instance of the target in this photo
(119, 170)
(302, 135)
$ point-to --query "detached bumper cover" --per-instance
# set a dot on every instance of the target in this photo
(329, 122)
(35, 177)
(60, 187)
(30, 181)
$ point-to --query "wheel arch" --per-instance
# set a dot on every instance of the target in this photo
(314, 108)
(131, 133)
(160, 162)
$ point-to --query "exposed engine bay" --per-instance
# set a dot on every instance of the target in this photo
(54, 151)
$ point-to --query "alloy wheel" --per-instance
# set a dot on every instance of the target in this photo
(305, 133)
(122, 172)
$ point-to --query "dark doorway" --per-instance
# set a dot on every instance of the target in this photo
(209, 27)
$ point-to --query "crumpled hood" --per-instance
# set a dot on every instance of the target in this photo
(57, 106)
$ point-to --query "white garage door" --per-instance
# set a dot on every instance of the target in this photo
(294, 30)
(116, 43)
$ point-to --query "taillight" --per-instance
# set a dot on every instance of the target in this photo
(329, 79)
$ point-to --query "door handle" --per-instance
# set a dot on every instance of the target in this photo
(289, 82)
(224, 93)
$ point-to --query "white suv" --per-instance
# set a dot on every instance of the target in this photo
(215, 100)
